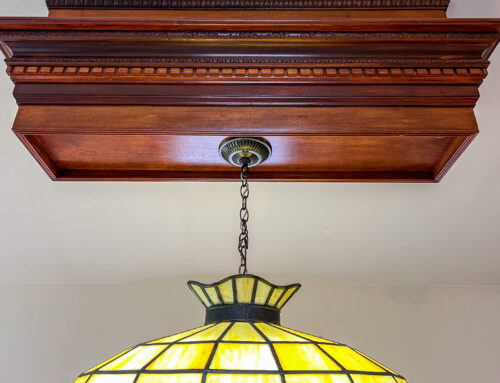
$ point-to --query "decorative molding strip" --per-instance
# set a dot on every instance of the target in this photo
(75, 35)
(271, 61)
(248, 4)
(243, 73)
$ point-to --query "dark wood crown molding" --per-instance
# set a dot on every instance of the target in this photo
(248, 4)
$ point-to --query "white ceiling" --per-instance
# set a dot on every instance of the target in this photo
(447, 233)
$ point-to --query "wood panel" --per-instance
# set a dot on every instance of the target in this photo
(245, 121)
(278, 14)
(320, 144)
(200, 153)
(250, 22)
(250, 94)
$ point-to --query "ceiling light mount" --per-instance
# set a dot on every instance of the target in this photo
(245, 150)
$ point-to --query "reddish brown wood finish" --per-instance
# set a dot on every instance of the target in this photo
(318, 14)
(314, 144)
(104, 97)
(292, 8)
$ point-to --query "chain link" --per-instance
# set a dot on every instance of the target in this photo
(244, 216)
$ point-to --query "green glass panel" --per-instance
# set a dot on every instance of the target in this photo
(212, 293)
(199, 292)
(275, 296)
(244, 289)
(286, 297)
(226, 291)
(262, 293)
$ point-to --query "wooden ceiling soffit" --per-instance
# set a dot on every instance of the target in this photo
(339, 99)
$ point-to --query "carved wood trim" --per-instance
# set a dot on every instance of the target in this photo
(260, 36)
(139, 74)
(248, 4)
(252, 93)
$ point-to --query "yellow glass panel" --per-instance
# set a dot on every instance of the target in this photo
(276, 335)
(377, 363)
(262, 293)
(107, 378)
(372, 379)
(350, 359)
(243, 378)
(311, 337)
(244, 288)
(285, 297)
(135, 359)
(242, 331)
(303, 357)
(176, 337)
(213, 333)
(170, 378)
(316, 378)
(246, 356)
(201, 295)
(399, 380)
(226, 291)
(275, 296)
(183, 357)
(212, 293)
(82, 379)
(109, 360)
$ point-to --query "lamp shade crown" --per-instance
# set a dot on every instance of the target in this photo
(243, 298)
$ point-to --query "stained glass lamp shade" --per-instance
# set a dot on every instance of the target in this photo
(242, 342)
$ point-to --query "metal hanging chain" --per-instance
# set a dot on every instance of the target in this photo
(244, 216)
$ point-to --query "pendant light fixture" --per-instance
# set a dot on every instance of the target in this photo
(242, 340)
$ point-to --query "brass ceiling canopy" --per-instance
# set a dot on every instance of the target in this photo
(245, 150)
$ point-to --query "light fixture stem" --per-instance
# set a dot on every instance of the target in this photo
(244, 216)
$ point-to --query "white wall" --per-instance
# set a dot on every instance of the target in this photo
(50, 333)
